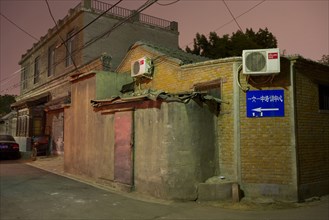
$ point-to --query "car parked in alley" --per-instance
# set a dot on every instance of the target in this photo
(9, 149)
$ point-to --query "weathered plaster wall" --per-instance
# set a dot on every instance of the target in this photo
(174, 145)
(171, 77)
(174, 150)
(60, 62)
(89, 136)
(55, 129)
(109, 84)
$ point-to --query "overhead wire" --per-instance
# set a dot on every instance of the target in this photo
(232, 16)
(118, 24)
(95, 19)
(171, 3)
(10, 76)
(250, 9)
(16, 25)
(13, 75)
(89, 43)
(60, 37)
(63, 42)
(240, 15)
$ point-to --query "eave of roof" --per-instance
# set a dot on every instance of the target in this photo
(42, 98)
(177, 55)
(154, 96)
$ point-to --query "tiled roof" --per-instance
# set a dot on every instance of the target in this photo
(181, 56)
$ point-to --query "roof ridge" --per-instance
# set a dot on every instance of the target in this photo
(177, 53)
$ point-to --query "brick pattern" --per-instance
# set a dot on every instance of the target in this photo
(266, 154)
(266, 146)
(312, 133)
(267, 150)
(171, 77)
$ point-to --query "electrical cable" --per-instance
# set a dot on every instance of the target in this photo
(232, 16)
(118, 24)
(222, 26)
(67, 49)
(10, 76)
(238, 80)
(250, 9)
(140, 9)
(267, 80)
(102, 14)
(175, 2)
(95, 19)
(19, 27)
(171, 3)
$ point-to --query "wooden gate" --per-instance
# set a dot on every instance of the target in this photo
(123, 152)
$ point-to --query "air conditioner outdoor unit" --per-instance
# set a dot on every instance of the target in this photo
(261, 62)
(141, 67)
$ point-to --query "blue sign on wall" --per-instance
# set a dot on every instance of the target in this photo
(265, 103)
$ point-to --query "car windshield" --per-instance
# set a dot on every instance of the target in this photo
(6, 138)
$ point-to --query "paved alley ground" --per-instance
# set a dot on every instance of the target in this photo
(28, 192)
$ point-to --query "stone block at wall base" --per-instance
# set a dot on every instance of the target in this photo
(313, 189)
(280, 192)
(215, 191)
(162, 190)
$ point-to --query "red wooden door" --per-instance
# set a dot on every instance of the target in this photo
(123, 154)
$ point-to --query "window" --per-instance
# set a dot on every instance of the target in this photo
(36, 70)
(69, 49)
(22, 126)
(37, 126)
(24, 78)
(323, 97)
(51, 60)
(18, 127)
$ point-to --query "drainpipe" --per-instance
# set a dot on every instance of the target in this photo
(133, 146)
(236, 123)
(294, 144)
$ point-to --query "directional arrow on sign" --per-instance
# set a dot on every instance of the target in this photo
(264, 103)
(260, 109)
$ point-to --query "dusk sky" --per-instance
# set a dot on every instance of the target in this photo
(300, 26)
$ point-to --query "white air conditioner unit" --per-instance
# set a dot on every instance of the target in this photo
(261, 62)
(142, 67)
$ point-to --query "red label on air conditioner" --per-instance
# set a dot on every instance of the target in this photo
(141, 62)
(272, 56)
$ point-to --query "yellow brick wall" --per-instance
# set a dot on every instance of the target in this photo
(313, 132)
(266, 142)
(266, 155)
(171, 77)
